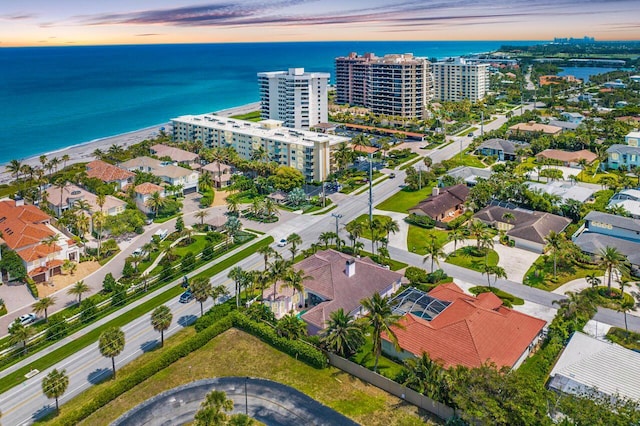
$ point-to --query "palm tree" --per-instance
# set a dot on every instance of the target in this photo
(270, 208)
(389, 227)
(233, 206)
(381, 319)
(42, 305)
(476, 230)
(355, 230)
(424, 376)
(54, 385)
(610, 259)
(295, 240)
(161, 320)
(457, 235)
(278, 269)
(266, 252)
(592, 280)
(555, 243)
(291, 327)
(237, 274)
(344, 335)
(111, 344)
(434, 251)
(213, 410)
(201, 215)
(495, 270)
(428, 162)
(201, 289)
(326, 238)
(65, 159)
(79, 289)
(19, 333)
(155, 202)
(14, 168)
(295, 280)
(508, 217)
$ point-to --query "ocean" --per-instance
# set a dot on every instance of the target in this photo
(54, 97)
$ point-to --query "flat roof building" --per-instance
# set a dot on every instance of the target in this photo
(297, 98)
(455, 80)
(303, 150)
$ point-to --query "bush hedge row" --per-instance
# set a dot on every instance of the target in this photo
(214, 314)
(422, 221)
(124, 384)
(296, 348)
(31, 285)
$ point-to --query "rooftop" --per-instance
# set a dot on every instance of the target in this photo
(614, 220)
(587, 364)
(623, 149)
(593, 243)
(107, 172)
(276, 133)
(72, 193)
(148, 188)
(568, 156)
(509, 147)
(535, 127)
(564, 190)
(157, 167)
(446, 199)
(469, 330)
(176, 154)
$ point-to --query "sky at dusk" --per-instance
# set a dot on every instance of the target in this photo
(86, 22)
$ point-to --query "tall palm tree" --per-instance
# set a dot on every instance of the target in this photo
(19, 333)
(381, 319)
(201, 289)
(111, 344)
(99, 220)
(291, 327)
(14, 167)
(295, 240)
(295, 280)
(233, 206)
(389, 227)
(344, 334)
(270, 208)
(43, 305)
(266, 252)
(237, 274)
(161, 320)
(592, 280)
(78, 289)
(205, 181)
(457, 235)
(610, 259)
(65, 159)
(54, 385)
(213, 410)
(156, 202)
(326, 238)
(201, 214)
(555, 243)
(278, 270)
(434, 252)
(355, 230)
(476, 230)
(495, 270)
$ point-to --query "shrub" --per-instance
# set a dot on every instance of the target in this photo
(188, 262)
(31, 285)
(109, 283)
(421, 221)
(213, 315)
(88, 310)
(57, 328)
(415, 275)
(458, 221)
(119, 296)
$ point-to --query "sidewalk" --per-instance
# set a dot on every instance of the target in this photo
(120, 312)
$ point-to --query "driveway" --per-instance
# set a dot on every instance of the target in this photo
(269, 402)
(515, 261)
(15, 296)
(399, 239)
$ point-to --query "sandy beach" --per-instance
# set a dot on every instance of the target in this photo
(84, 152)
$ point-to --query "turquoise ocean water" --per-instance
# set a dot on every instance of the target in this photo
(54, 97)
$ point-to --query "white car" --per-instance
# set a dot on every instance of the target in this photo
(25, 319)
(282, 242)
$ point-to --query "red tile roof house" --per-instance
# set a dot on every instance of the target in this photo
(469, 331)
(109, 173)
(337, 280)
(567, 158)
(24, 229)
(143, 192)
(178, 155)
(444, 204)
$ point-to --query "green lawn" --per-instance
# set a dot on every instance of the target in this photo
(355, 182)
(364, 220)
(386, 367)
(540, 274)
(411, 163)
(628, 339)
(471, 258)
(466, 160)
(508, 299)
(250, 116)
(46, 361)
(197, 245)
(418, 238)
(403, 200)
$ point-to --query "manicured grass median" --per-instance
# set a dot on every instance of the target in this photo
(403, 200)
(235, 353)
(92, 336)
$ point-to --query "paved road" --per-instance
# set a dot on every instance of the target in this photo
(271, 403)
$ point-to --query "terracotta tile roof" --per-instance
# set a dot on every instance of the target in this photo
(107, 172)
(38, 252)
(470, 331)
(568, 156)
(535, 127)
(447, 199)
(42, 269)
(365, 149)
(329, 281)
(148, 188)
(22, 226)
(71, 192)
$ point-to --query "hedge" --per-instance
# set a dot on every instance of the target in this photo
(31, 285)
(296, 348)
(124, 384)
(214, 314)
(421, 221)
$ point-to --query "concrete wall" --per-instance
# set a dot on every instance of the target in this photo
(403, 392)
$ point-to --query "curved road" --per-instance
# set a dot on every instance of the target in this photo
(271, 403)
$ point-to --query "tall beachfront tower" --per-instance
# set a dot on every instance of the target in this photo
(395, 85)
(455, 80)
(295, 97)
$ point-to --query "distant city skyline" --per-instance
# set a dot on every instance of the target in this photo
(81, 22)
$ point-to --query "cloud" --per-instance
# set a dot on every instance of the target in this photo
(18, 17)
(148, 34)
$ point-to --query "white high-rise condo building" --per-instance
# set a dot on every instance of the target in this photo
(395, 85)
(307, 151)
(295, 97)
(455, 80)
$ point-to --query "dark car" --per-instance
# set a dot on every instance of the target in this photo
(186, 297)
(470, 135)
(392, 175)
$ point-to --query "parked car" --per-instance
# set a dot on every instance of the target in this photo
(470, 135)
(392, 175)
(25, 319)
(186, 297)
(282, 242)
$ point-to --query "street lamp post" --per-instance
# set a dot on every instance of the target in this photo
(482, 123)
(338, 217)
(246, 397)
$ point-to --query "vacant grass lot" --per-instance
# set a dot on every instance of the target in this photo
(471, 258)
(403, 200)
(418, 238)
(235, 353)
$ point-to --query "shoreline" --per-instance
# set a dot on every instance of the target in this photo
(83, 152)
